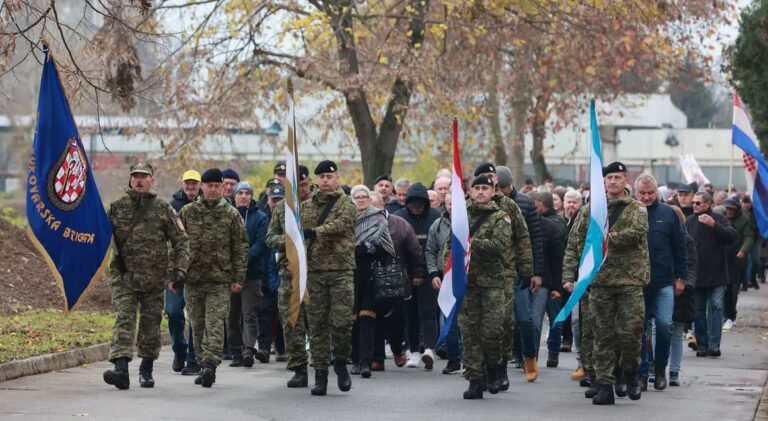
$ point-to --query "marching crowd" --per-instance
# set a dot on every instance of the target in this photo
(678, 256)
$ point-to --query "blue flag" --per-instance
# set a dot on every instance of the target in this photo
(67, 221)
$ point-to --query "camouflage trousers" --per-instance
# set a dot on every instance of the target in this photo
(149, 304)
(295, 336)
(481, 321)
(208, 307)
(509, 316)
(330, 315)
(616, 314)
(587, 327)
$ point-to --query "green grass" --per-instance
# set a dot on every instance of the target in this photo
(42, 332)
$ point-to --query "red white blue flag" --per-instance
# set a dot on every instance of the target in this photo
(754, 165)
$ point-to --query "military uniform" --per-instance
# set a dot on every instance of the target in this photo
(140, 284)
(219, 248)
(616, 294)
(295, 336)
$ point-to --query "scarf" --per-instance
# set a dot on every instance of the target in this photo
(372, 227)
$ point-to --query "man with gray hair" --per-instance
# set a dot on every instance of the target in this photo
(398, 202)
(668, 254)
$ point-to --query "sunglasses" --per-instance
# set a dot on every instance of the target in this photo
(699, 203)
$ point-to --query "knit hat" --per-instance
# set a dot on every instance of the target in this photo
(230, 173)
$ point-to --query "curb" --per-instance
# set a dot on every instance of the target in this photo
(761, 414)
(59, 361)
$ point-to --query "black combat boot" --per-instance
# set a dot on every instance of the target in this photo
(660, 381)
(343, 380)
(492, 380)
(321, 382)
(178, 362)
(248, 359)
(118, 376)
(145, 373)
(208, 375)
(475, 390)
(503, 377)
(634, 390)
(621, 383)
(591, 391)
(299, 378)
(604, 395)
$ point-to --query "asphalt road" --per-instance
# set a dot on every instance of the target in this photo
(728, 388)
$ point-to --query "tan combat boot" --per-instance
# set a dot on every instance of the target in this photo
(531, 369)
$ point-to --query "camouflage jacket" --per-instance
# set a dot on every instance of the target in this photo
(519, 254)
(334, 247)
(145, 252)
(276, 235)
(217, 241)
(627, 262)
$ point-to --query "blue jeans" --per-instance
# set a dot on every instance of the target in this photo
(676, 350)
(174, 308)
(542, 304)
(659, 305)
(525, 334)
(709, 317)
(453, 341)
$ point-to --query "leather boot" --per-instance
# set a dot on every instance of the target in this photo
(118, 376)
(178, 362)
(145, 373)
(604, 395)
(492, 380)
(475, 390)
(321, 382)
(208, 375)
(343, 380)
(633, 386)
(660, 381)
(621, 384)
(591, 390)
(300, 378)
(531, 369)
(503, 377)
(248, 359)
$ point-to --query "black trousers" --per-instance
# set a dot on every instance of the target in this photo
(390, 324)
(422, 318)
(270, 325)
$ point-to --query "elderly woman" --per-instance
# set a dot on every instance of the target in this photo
(372, 241)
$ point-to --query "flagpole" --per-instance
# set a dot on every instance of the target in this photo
(730, 173)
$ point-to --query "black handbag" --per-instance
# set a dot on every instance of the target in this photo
(390, 280)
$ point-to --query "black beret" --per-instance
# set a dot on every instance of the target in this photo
(684, 188)
(482, 180)
(614, 167)
(326, 167)
(381, 178)
(303, 172)
(212, 175)
(279, 168)
(485, 168)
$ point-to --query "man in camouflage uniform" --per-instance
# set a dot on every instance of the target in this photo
(519, 263)
(616, 293)
(330, 263)
(219, 249)
(482, 312)
(142, 225)
(295, 336)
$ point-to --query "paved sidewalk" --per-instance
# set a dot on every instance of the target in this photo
(728, 388)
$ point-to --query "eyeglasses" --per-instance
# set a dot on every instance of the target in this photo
(360, 198)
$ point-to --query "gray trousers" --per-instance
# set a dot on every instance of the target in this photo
(251, 296)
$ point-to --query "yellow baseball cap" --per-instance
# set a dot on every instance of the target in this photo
(190, 175)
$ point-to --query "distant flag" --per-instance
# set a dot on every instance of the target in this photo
(692, 172)
(596, 242)
(67, 221)
(294, 238)
(754, 165)
(454, 283)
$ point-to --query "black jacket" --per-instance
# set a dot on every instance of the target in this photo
(685, 307)
(553, 233)
(711, 249)
(528, 208)
(421, 223)
(180, 199)
(256, 226)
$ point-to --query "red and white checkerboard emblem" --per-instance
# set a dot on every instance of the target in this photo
(66, 183)
(750, 164)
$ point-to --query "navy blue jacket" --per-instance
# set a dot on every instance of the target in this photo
(421, 223)
(667, 246)
(256, 227)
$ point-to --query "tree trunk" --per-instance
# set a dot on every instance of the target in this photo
(516, 161)
(539, 131)
(494, 117)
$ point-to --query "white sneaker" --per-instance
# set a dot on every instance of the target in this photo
(413, 360)
(428, 358)
(728, 325)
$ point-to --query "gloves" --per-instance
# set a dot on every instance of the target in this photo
(179, 279)
(525, 282)
(310, 234)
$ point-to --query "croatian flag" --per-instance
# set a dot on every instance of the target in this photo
(596, 243)
(455, 280)
(754, 165)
